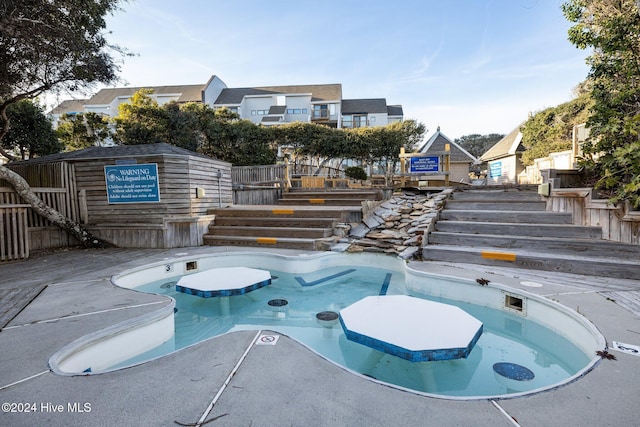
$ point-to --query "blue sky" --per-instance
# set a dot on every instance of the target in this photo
(468, 66)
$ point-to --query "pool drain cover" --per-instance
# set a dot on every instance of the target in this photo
(327, 316)
(513, 371)
(278, 302)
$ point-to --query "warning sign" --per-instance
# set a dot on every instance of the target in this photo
(267, 339)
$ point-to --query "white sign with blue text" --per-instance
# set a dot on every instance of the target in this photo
(132, 183)
(424, 164)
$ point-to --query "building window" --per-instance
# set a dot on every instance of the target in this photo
(359, 121)
(296, 111)
(321, 111)
(259, 112)
(354, 121)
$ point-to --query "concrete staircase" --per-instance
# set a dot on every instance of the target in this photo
(510, 227)
(302, 220)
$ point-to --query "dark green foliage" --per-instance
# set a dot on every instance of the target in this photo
(551, 130)
(31, 133)
(612, 30)
(52, 45)
(82, 130)
(477, 144)
(355, 172)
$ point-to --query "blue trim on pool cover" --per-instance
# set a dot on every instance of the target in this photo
(323, 279)
(223, 292)
(412, 355)
(385, 284)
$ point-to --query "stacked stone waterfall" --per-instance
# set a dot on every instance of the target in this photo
(398, 224)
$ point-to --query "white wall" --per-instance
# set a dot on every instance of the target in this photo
(213, 90)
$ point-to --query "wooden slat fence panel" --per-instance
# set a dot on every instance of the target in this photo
(54, 197)
(14, 234)
(618, 223)
(255, 175)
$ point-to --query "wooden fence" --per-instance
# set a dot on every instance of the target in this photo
(258, 175)
(619, 223)
(14, 233)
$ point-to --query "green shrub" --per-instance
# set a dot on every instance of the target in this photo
(355, 172)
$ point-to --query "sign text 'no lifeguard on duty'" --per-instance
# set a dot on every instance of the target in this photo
(132, 183)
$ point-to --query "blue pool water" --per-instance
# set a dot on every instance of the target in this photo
(507, 338)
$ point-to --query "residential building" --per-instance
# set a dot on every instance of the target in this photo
(265, 105)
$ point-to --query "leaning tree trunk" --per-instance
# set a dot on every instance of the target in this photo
(22, 188)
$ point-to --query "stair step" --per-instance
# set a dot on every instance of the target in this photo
(336, 194)
(496, 205)
(286, 243)
(275, 222)
(282, 212)
(536, 217)
(298, 232)
(322, 202)
(512, 195)
(549, 245)
(584, 265)
(521, 229)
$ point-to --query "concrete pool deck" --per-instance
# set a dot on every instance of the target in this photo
(275, 385)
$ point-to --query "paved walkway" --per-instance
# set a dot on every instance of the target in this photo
(227, 381)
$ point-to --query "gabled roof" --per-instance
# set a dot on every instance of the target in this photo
(327, 92)
(457, 153)
(364, 106)
(507, 146)
(69, 106)
(115, 151)
(188, 93)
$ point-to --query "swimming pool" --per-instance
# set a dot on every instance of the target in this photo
(553, 343)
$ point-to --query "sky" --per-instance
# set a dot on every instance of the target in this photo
(467, 66)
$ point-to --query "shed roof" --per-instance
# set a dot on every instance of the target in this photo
(364, 106)
(142, 150)
(457, 154)
(322, 92)
(188, 93)
(507, 146)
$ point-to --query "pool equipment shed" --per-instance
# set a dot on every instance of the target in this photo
(105, 189)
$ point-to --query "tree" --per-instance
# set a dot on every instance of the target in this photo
(82, 130)
(477, 144)
(31, 132)
(240, 142)
(51, 45)
(612, 31)
(141, 120)
(551, 129)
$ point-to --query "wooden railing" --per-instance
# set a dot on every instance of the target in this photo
(53, 197)
(619, 223)
(258, 175)
(14, 233)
